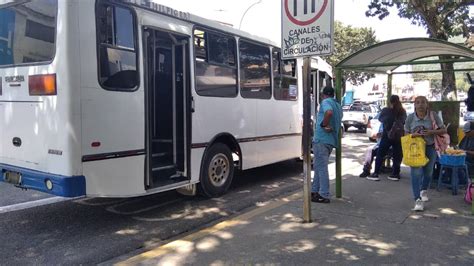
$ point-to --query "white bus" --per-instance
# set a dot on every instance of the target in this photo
(124, 98)
(321, 76)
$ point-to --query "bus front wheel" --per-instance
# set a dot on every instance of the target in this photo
(217, 171)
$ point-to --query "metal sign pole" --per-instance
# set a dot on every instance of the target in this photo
(306, 140)
(307, 30)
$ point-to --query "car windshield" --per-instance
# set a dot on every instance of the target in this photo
(360, 108)
(409, 108)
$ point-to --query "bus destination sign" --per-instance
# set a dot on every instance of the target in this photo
(160, 8)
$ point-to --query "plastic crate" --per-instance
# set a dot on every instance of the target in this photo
(452, 160)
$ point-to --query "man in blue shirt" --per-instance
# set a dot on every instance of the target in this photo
(325, 139)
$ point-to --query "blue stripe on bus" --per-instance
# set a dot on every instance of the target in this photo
(64, 186)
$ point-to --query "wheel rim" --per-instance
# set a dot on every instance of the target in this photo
(218, 170)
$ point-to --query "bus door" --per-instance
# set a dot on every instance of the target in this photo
(167, 108)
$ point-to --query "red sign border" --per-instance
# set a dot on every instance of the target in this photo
(307, 22)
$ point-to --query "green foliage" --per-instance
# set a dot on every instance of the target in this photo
(462, 84)
(441, 19)
(348, 40)
(436, 77)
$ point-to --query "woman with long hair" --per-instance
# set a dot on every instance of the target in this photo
(388, 116)
(419, 124)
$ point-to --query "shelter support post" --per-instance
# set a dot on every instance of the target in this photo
(306, 140)
(338, 148)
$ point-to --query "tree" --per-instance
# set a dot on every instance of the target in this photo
(441, 19)
(348, 40)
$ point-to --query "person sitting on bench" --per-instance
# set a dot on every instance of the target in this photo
(371, 153)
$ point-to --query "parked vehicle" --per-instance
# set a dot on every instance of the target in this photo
(107, 98)
(409, 107)
(469, 116)
(373, 127)
(358, 115)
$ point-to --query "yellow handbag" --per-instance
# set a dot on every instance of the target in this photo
(414, 151)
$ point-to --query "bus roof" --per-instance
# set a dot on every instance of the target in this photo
(186, 16)
(318, 63)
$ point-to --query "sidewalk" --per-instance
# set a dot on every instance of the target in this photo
(372, 224)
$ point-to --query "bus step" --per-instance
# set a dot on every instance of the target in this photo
(159, 154)
(171, 166)
(162, 140)
(177, 175)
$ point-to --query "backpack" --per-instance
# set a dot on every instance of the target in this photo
(397, 131)
(441, 141)
(469, 192)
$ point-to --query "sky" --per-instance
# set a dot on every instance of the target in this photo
(264, 19)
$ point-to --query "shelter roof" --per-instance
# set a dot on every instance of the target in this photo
(388, 55)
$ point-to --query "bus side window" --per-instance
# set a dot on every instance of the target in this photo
(216, 72)
(276, 62)
(222, 49)
(200, 44)
(284, 80)
(117, 51)
(288, 68)
(254, 71)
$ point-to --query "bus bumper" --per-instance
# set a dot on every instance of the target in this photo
(64, 186)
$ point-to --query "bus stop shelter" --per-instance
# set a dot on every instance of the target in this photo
(386, 57)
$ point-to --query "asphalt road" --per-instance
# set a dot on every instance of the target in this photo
(94, 230)
(10, 195)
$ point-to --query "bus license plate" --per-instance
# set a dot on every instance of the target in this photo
(12, 178)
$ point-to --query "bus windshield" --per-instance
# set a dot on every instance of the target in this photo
(27, 31)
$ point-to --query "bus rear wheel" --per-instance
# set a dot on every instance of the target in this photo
(217, 171)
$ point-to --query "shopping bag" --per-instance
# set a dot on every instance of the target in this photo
(441, 141)
(414, 151)
(469, 192)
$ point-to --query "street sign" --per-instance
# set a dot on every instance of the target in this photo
(307, 28)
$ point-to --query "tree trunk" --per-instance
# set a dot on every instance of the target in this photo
(434, 23)
(449, 79)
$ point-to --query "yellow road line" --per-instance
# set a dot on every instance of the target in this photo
(187, 240)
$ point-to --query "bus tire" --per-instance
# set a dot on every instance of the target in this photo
(217, 171)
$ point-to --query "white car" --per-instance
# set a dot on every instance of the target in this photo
(358, 115)
(409, 107)
(373, 127)
(469, 116)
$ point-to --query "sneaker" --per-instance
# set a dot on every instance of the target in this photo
(321, 199)
(364, 174)
(424, 195)
(314, 196)
(418, 206)
(373, 177)
(394, 177)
